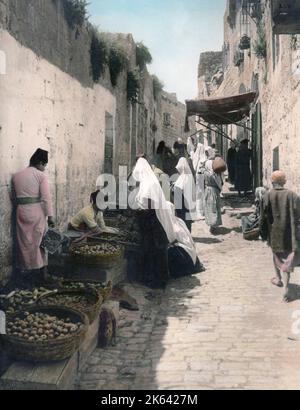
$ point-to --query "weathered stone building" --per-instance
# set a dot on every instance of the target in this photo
(258, 57)
(49, 99)
(173, 119)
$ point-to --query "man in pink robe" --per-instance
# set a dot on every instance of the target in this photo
(34, 207)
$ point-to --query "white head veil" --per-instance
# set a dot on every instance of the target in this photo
(211, 153)
(150, 189)
(186, 183)
(199, 157)
(190, 147)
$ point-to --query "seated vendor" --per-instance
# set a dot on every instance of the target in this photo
(91, 219)
(251, 222)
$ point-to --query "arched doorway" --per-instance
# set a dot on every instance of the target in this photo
(257, 146)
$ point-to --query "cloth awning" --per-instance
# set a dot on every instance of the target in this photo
(222, 110)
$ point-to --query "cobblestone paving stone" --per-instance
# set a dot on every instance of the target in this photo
(223, 329)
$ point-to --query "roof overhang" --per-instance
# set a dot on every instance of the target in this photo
(222, 110)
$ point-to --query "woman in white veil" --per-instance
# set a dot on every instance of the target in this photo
(160, 227)
(199, 167)
(185, 193)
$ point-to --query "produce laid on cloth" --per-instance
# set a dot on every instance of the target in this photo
(132, 237)
(126, 221)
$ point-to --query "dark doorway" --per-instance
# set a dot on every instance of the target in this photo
(109, 144)
(257, 146)
(276, 159)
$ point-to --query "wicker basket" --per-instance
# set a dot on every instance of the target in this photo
(91, 311)
(105, 291)
(105, 261)
(50, 350)
(252, 235)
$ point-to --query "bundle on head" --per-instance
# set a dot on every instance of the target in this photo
(219, 165)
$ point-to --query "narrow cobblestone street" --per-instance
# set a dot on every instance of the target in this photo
(226, 328)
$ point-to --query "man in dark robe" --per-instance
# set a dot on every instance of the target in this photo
(231, 162)
(243, 176)
(279, 223)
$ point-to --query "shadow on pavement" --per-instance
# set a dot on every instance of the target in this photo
(207, 241)
(226, 231)
(295, 292)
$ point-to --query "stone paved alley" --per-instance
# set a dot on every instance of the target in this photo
(223, 329)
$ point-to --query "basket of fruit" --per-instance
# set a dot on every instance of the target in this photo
(44, 334)
(104, 255)
(21, 299)
(87, 301)
(75, 284)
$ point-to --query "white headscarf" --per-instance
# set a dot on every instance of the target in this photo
(199, 157)
(211, 152)
(150, 189)
(259, 193)
(186, 183)
(190, 147)
(209, 166)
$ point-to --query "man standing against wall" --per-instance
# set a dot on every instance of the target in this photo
(34, 207)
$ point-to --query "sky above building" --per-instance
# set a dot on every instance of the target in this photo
(176, 32)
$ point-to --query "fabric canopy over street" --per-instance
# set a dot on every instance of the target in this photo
(222, 110)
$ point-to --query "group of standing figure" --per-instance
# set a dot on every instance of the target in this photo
(197, 189)
(168, 248)
(239, 161)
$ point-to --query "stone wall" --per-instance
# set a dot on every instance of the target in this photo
(41, 26)
(133, 121)
(48, 100)
(45, 107)
(277, 79)
(173, 119)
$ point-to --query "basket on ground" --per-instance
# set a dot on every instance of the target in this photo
(87, 301)
(74, 284)
(51, 350)
(252, 235)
